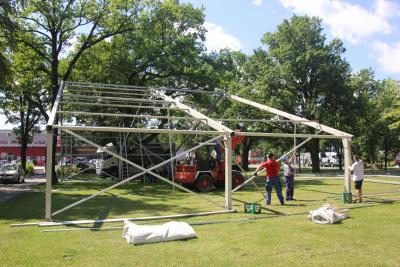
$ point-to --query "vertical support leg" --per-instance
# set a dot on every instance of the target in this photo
(228, 172)
(49, 173)
(171, 155)
(347, 161)
(294, 145)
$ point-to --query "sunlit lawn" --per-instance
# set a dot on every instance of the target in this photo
(370, 237)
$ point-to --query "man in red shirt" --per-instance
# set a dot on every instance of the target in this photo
(272, 178)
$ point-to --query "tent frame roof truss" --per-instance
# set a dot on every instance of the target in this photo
(89, 92)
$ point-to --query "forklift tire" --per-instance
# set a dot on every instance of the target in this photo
(113, 171)
(237, 179)
(204, 183)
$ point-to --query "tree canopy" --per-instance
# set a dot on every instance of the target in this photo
(161, 43)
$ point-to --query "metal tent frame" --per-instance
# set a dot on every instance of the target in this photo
(148, 98)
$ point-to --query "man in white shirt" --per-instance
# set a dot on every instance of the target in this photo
(397, 160)
(358, 175)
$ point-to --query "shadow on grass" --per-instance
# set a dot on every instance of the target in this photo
(320, 191)
(135, 197)
(304, 183)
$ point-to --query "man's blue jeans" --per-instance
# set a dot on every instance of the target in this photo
(274, 182)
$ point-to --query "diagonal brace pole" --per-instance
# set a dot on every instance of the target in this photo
(144, 171)
(293, 149)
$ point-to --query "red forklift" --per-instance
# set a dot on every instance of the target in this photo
(205, 170)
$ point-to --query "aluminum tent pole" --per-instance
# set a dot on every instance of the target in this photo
(252, 181)
(50, 150)
(144, 171)
(263, 120)
(49, 173)
(161, 217)
(124, 115)
(280, 135)
(171, 155)
(293, 149)
(100, 93)
(228, 171)
(124, 99)
(134, 130)
(315, 125)
(294, 143)
(112, 105)
(208, 121)
(347, 160)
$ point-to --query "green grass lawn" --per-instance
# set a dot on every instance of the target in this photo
(380, 178)
(369, 237)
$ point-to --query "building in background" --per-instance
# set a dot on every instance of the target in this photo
(36, 151)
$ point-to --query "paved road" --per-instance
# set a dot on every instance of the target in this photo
(9, 190)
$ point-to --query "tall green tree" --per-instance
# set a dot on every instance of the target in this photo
(176, 60)
(387, 103)
(164, 50)
(393, 91)
(302, 73)
(58, 24)
(367, 126)
(28, 82)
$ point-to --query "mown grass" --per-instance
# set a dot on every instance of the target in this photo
(370, 237)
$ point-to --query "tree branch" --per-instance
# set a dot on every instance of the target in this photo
(37, 22)
(44, 56)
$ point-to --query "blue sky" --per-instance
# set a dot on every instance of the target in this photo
(369, 29)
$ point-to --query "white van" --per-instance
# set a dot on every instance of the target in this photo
(329, 159)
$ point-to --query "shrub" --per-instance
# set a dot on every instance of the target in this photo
(29, 168)
(66, 170)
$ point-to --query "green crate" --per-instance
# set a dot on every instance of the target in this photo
(253, 208)
(347, 198)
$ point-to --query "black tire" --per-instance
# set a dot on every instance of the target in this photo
(204, 182)
(237, 179)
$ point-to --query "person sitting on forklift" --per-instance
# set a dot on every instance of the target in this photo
(236, 140)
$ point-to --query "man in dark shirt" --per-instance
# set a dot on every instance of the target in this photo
(272, 178)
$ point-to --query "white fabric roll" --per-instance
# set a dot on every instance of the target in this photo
(142, 234)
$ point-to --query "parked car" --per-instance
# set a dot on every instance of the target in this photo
(64, 161)
(12, 172)
(40, 163)
(92, 162)
(2, 162)
(81, 162)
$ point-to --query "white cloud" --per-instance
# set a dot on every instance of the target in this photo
(257, 2)
(72, 43)
(217, 38)
(388, 56)
(385, 8)
(347, 21)
(3, 124)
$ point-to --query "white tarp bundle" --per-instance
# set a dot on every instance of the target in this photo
(142, 234)
(328, 214)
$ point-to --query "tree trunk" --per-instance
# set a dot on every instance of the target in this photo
(24, 145)
(23, 137)
(315, 155)
(339, 152)
(53, 156)
(245, 153)
(386, 149)
(298, 160)
(54, 90)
